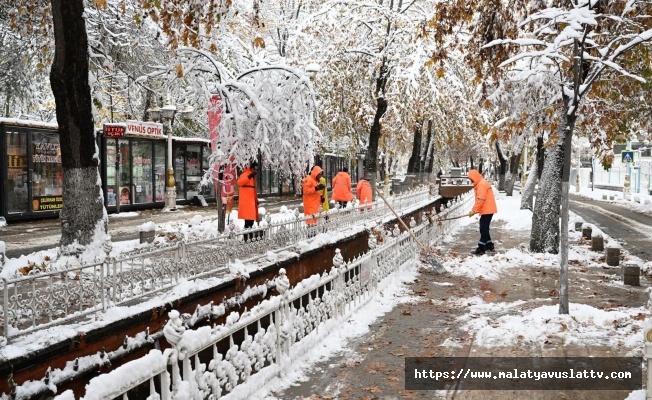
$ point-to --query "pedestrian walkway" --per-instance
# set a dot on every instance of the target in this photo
(432, 325)
(25, 237)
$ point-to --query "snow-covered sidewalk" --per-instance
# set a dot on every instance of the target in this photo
(504, 305)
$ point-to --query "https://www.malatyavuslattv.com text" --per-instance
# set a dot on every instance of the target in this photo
(514, 373)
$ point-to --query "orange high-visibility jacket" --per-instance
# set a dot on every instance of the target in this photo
(248, 198)
(311, 196)
(342, 187)
(365, 194)
(485, 203)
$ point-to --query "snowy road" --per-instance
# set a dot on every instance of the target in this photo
(30, 236)
(633, 230)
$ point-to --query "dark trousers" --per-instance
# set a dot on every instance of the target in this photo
(342, 204)
(249, 223)
(485, 221)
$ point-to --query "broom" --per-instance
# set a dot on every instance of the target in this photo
(435, 265)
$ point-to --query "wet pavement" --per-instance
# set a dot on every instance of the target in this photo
(25, 237)
(372, 366)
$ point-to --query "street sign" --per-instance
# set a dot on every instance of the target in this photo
(627, 156)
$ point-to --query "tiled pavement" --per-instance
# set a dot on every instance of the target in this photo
(372, 367)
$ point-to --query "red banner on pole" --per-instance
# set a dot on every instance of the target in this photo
(229, 172)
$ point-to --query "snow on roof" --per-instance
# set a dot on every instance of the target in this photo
(28, 123)
(190, 139)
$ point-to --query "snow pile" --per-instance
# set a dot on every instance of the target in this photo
(148, 226)
(491, 267)
(544, 325)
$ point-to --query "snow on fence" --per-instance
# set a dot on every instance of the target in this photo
(45, 297)
(257, 345)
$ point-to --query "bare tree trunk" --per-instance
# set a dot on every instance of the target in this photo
(565, 177)
(83, 216)
(374, 136)
(427, 168)
(415, 158)
(544, 237)
(371, 160)
(530, 185)
(514, 163)
(503, 167)
(541, 155)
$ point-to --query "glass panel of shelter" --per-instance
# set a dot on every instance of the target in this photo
(179, 158)
(17, 172)
(193, 171)
(159, 170)
(125, 172)
(142, 189)
(46, 172)
(111, 146)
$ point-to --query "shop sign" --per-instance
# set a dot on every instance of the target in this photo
(47, 203)
(114, 131)
(140, 128)
(47, 153)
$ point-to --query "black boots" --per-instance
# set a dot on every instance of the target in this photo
(483, 248)
(480, 250)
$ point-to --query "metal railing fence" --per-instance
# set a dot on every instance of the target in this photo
(45, 297)
(252, 347)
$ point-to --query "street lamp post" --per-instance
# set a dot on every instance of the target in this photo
(167, 113)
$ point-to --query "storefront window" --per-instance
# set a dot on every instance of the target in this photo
(160, 167)
(110, 172)
(274, 181)
(125, 173)
(17, 200)
(193, 171)
(179, 162)
(266, 181)
(206, 190)
(142, 190)
(47, 174)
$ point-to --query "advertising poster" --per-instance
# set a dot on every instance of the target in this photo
(47, 203)
(125, 195)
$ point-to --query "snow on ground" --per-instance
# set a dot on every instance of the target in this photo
(638, 201)
(393, 291)
(505, 323)
(494, 324)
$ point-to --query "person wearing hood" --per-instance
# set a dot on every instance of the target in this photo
(365, 193)
(485, 205)
(248, 196)
(342, 188)
(312, 193)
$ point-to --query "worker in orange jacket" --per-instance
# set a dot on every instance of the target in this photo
(312, 193)
(248, 196)
(485, 205)
(342, 187)
(365, 193)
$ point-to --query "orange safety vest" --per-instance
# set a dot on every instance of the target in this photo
(342, 187)
(485, 202)
(365, 194)
(311, 196)
(248, 197)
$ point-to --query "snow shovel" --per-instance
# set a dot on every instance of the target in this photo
(426, 252)
(448, 219)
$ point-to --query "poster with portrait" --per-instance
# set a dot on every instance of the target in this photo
(125, 195)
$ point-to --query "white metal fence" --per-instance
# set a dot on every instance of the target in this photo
(252, 347)
(45, 297)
